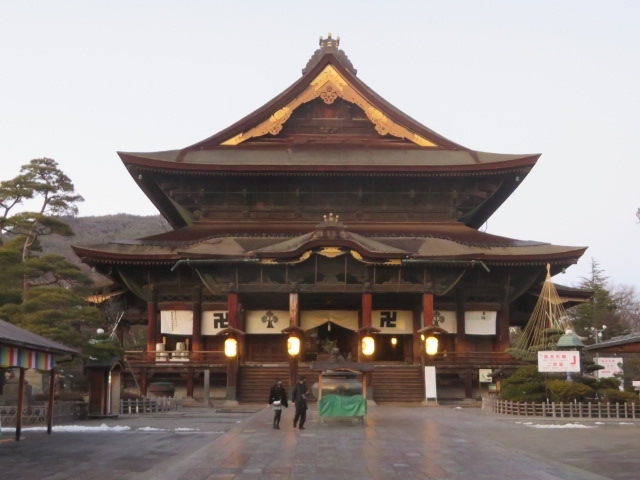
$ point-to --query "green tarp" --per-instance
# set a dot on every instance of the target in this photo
(341, 406)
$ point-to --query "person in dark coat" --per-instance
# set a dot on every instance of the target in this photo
(299, 390)
(277, 400)
(301, 411)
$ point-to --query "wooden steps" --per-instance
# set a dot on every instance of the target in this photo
(255, 381)
(398, 383)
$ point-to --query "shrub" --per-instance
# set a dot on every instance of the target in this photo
(609, 382)
(525, 385)
(614, 395)
(566, 391)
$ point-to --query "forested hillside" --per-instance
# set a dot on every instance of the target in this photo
(107, 228)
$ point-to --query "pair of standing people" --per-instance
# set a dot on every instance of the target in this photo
(278, 399)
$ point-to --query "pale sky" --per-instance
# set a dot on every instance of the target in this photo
(81, 80)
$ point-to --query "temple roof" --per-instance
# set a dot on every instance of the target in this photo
(446, 242)
(328, 121)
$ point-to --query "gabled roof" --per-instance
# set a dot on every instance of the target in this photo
(328, 75)
(249, 145)
(14, 336)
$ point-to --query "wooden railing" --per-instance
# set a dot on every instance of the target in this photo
(37, 414)
(562, 410)
(174, 357)
(149, 405)
(218, 357)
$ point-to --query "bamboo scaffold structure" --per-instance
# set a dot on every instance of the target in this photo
(548, 318)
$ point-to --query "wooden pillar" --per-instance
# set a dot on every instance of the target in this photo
(20, 406)
(502, 338)
(232, 309)
(197, 343)
(294, 310)
(152, 325)
(461, 336)
(367, 304)
(190, 381)
(294, 321)
(468, 379)
(206, 387)
(232, 363)
(52, 396)
(427, 309)
(417, 343)
(144, 383)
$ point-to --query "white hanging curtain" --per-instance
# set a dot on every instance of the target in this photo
(480, 322)
(266, 321)
(445, 319)
(176, 322)
(393, 321)
(314, 318)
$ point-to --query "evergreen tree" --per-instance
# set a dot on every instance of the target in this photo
(42, 293)
(600, 315)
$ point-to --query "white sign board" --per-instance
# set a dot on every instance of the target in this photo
(559, 361)
(612, 366)
(484, 375)
(430, 390)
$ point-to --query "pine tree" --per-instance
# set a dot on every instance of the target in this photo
(598, 319)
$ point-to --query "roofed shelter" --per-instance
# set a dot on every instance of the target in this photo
(624, 344)
(22, 349)
(331, 211)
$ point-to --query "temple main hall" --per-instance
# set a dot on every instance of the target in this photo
(325, 217)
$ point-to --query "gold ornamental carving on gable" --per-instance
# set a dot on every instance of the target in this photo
(328, 86)
(331, 252)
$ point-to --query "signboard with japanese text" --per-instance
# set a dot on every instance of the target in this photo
(612, 366)
(559, 361)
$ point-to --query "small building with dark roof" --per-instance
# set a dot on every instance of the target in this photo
(23, 350)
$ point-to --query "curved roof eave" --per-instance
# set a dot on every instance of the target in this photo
(339, 160)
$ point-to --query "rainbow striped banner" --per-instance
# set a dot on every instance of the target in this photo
(24, 358)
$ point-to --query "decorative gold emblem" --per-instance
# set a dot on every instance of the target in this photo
(329, 85)
(331, 252)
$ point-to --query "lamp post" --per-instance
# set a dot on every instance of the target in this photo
(570, 341)
(429, 335)
(597, 333)
(294, 348)
(231, 350)
(366, 351)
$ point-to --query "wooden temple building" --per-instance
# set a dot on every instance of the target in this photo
(327, 215)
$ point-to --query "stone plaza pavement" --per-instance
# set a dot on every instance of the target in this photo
(418, 442)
